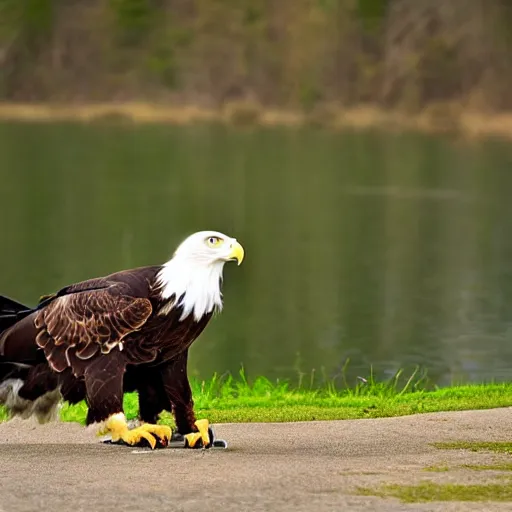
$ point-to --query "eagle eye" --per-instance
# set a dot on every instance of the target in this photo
(214, 241)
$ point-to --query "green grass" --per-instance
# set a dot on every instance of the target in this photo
(436, 469)
(230, 399)
(429, 491)
(505, 466)
(498, 447)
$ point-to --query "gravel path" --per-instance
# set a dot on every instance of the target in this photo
(268, 466)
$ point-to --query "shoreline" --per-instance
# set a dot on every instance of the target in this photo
(434, 119)
(264, 402)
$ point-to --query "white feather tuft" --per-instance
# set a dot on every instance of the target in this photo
(45, 408)
(196, 287)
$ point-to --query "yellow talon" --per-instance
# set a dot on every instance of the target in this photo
(133, 437)
(118, 427)
(192, 438)
(202, 427)
(162, 431)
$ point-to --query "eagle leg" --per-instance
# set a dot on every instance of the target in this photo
(197, 433)
(118, 427)
(104, 394)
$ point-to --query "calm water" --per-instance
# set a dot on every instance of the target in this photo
(390, 250)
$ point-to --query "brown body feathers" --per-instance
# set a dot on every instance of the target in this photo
(96, 339)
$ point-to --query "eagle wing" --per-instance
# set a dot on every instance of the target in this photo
(78, 325)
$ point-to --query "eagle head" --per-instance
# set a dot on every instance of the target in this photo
(210, 248)
(193, 276)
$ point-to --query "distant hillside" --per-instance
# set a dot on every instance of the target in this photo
(286, 53)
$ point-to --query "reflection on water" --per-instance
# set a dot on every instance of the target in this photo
(391, 250)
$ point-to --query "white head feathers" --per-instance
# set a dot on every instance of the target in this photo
(194, 273)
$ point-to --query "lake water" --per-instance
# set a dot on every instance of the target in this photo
(392, 250)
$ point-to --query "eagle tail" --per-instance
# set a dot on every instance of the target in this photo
(14, 375)
(11, 312)
(44, 405)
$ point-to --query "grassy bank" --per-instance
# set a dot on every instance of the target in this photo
(236, 400)
(428, 491)
(444, 118)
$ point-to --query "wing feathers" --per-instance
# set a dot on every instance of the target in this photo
(85, 323)
(42, 339)
(85, 350)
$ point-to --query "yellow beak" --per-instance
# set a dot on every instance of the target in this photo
(237, 252)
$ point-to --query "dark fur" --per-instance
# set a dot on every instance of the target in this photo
(67, 342)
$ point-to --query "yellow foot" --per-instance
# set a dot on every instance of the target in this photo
(118, 427)
(201, 435)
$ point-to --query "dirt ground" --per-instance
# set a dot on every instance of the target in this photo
(267, 466)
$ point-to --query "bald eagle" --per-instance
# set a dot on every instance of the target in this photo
(128, 331)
